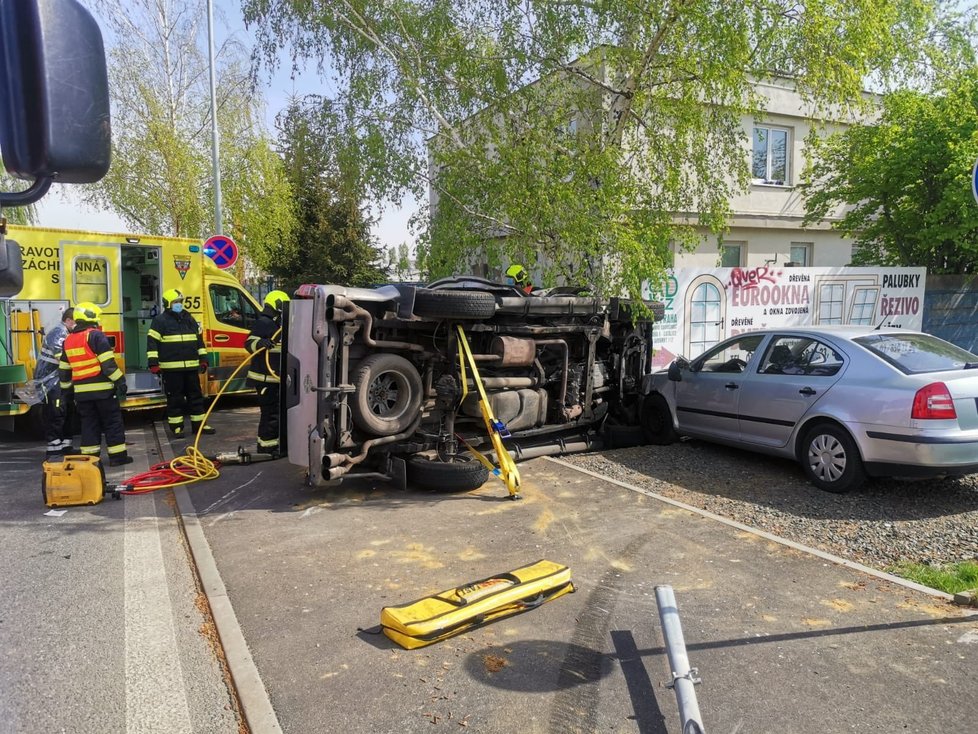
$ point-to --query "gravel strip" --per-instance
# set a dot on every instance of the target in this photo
(883, 523)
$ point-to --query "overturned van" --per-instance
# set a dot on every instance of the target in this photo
(377, 382)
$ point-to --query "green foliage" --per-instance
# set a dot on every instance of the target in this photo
(160, 180)
(588, 138)
(331, 242)
(17, 214)
(905, 182)
(951, 578)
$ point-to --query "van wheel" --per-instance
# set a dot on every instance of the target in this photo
(462, 474)
(657, 421)
(456, 305)
(388, 394)
(831, 459)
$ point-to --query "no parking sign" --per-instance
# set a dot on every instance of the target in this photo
(222, 250)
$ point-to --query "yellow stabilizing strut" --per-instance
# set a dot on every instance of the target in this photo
(507, 470)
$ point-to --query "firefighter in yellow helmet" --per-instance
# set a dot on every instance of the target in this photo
(518, 276)
(175, 351)
(264, 342)
(88, 369)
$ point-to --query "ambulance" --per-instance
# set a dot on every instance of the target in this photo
(125, 275)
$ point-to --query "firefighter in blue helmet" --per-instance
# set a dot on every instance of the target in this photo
(88, 369)
(54, 409)
(175, 349)
(264, 342)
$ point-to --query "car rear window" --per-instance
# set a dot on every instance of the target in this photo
(917, 353)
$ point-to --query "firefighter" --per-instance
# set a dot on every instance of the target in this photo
(517, 275)
(54, 410)
(175, 349)
(88, 369)
(265, 343)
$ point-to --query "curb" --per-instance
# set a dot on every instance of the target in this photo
(256, 707)
(764, 534)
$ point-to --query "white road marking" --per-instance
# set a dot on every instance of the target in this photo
(156, 697)
(228, 495)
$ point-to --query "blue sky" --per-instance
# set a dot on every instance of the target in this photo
(62, 208)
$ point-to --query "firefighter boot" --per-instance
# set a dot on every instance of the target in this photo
(120, 459)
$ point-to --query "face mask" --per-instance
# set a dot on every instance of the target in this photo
(510, 280)
(177, 307)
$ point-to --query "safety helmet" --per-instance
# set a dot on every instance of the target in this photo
(87, 313)
(518, 274)
(275, 299)
(170, 296)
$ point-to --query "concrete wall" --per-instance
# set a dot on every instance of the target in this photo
(951, 309)
(770, 242)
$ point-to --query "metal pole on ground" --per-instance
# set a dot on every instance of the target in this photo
(684, 678)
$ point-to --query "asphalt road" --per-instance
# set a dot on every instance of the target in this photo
(102, 625)
(784, 640)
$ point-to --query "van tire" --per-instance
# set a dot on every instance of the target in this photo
(455, 305)
(388, 395)
(462, 474)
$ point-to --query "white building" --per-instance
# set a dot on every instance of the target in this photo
(766, 222)
(765, 226)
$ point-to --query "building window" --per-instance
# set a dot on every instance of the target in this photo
(732, 254)
(769, 164)
(801, 254)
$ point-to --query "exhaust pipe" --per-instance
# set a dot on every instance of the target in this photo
(342, 308)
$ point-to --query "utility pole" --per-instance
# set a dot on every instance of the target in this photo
(215, 149)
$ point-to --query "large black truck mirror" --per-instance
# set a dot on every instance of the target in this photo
(54, 96)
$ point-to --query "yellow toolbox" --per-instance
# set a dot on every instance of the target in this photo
(73, 480)
(451, 612)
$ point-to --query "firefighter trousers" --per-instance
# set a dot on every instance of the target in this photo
(98, 417)
(268, 420)
(54, 411)
(183, 398)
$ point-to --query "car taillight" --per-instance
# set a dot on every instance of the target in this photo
(933, 402)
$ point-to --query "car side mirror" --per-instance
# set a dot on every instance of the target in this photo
(676, 371)
(54, 96)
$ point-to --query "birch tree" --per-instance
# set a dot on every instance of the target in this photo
(160, 180)
(591, 136)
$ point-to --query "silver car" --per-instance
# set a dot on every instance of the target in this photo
(847, 402)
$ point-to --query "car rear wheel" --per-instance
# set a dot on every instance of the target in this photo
(831, 459)
(388, 395)
(657, 421)
(458, 305)
(461, 474)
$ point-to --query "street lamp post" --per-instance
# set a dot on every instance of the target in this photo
(215, 149)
